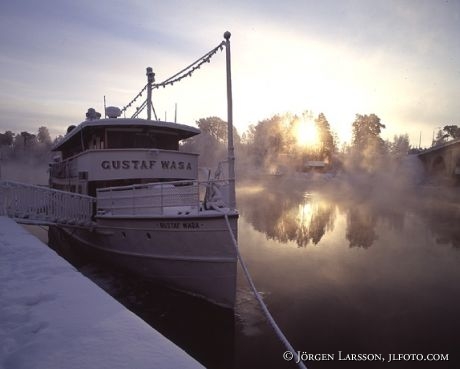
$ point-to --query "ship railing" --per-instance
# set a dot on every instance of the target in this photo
(158, 198)
(41, 205)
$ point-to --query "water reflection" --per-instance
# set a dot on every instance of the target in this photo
(307, 222)
(304, 216)
(361, 222)
(443, 219)
(297, 216)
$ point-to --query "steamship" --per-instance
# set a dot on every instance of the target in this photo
(152, 215)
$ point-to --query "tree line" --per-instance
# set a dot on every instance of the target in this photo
(446, 133)
(272, 140)
(26, 145)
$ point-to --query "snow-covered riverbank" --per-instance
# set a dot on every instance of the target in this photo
(52, 317)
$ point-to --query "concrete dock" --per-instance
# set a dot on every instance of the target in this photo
(53, 317)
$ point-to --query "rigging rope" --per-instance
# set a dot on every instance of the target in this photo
(263, 306)
(134, 100)
(139, 109)
(186, 72)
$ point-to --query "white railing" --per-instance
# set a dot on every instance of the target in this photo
(166, 198)
(42, 205)
(146, 199)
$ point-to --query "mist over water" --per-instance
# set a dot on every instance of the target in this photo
(29, 171)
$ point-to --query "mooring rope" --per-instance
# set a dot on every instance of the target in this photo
(262, 304)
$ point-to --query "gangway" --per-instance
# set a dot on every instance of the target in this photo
(31, 204)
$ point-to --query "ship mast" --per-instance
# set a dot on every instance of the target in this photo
(230, 149)
(150, 79)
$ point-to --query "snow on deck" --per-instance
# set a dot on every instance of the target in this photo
(52, 317)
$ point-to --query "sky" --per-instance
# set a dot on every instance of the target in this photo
(397, 59)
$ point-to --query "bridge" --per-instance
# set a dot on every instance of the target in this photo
(442, 161)
(30, 204)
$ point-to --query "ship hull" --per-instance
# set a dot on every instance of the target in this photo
(193, 254)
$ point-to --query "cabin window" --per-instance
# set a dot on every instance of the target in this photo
(83, 175)
(70, 151)
(140, 138)
(168, 143)
(129, 138)
(96, 143)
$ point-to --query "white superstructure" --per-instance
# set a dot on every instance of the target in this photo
(151, 214)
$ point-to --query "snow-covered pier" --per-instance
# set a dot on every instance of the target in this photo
(52, 317)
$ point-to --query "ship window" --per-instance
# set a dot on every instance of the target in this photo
(140, 138)
(96, 142)
(149, 236)
(82, 175)
(123, 234)
(168, 143)
(119, 139)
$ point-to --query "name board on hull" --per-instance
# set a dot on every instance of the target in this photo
(119, 164)
(145, 164)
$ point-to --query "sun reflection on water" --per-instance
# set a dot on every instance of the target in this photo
(307, 222)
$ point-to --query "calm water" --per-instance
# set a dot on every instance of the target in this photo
(356, 271)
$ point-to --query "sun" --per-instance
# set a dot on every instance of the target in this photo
(306, 133)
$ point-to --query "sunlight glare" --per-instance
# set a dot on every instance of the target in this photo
(306, 133)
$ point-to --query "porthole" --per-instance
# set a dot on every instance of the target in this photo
(149, 236)
(123, 234)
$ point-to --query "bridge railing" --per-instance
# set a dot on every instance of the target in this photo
(41, 205)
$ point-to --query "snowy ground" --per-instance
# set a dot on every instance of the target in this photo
(52, 317)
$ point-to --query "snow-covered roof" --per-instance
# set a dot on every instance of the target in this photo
(184, 131)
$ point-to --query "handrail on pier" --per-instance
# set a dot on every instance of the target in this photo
(33, 204)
